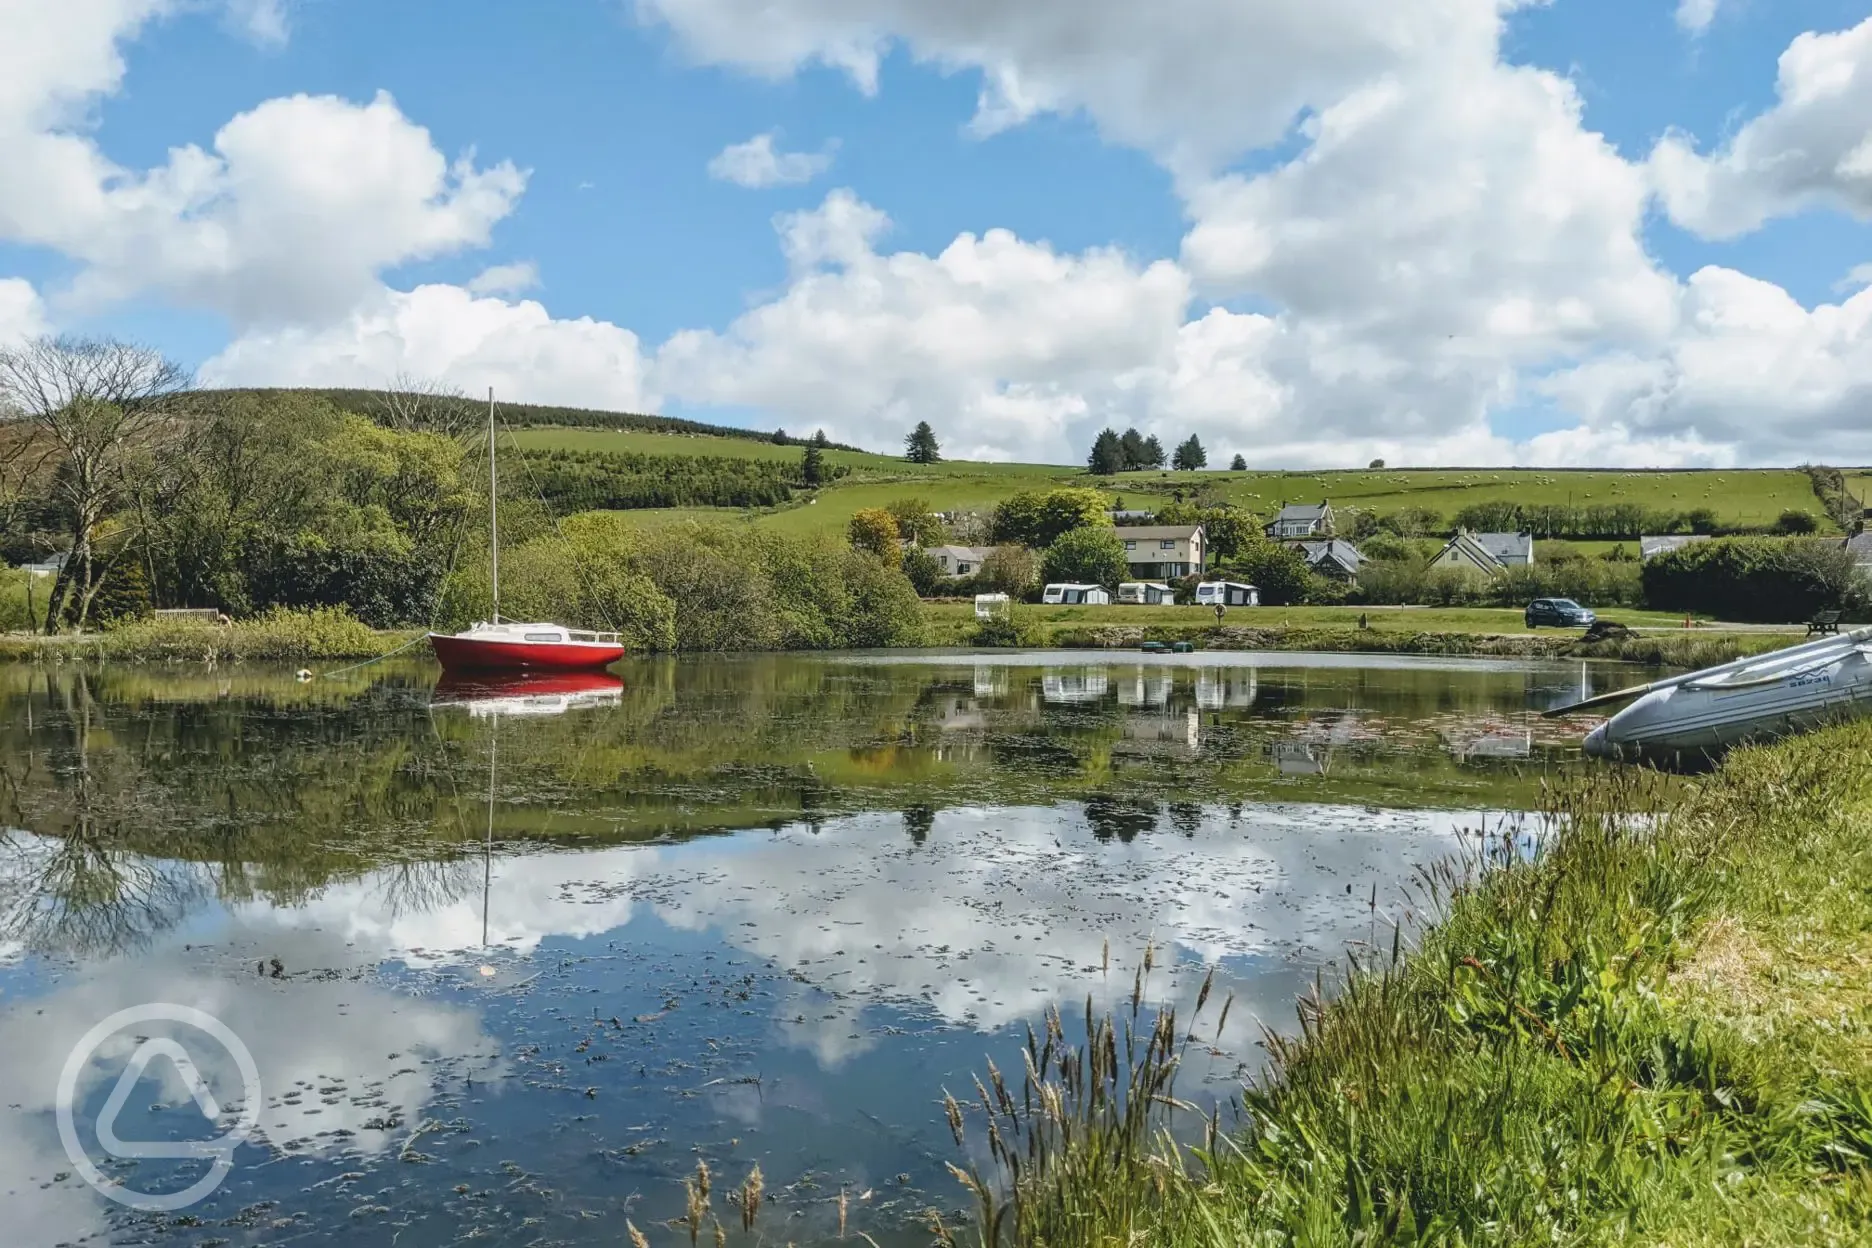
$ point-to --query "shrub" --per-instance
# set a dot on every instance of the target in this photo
(1794, 521)
(884, 609)
(1766, 579)
(1010, 570)
(1091, 556)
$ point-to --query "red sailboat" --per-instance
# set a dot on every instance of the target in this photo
(501, 645)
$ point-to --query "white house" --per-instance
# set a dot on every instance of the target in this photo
(1163, 551)
(1488, 554)
(1301, 520)
(958, 560)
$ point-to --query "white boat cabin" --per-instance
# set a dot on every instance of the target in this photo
(511, 631)
(1227, 594)
(1145, 593)
(1077, 595)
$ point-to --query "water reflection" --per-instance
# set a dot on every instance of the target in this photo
(507, 953)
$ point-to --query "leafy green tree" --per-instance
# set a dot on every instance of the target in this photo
(1108, 457)
(1189, 455)
(1153, 453)
(1092, 556)
(917, 521)
(920, 446)
(1279, 572)
(820, 440)
(1037, 518)
(779, 437)
(1239, 463)
(874, 530)
(1375, 464)
(925, 576)
(812, 466)
(1010, 570)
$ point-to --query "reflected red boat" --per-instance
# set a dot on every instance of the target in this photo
(527, 693)
(509, 647)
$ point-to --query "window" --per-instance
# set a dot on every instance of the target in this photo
(1166, 544)
(1130, 545)
(962, 569)
(544, 637)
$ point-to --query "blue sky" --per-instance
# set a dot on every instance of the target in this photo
(614, 112)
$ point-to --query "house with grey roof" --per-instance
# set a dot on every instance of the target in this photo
(1301, 520)
(1162, 552)
(1486, 554)
(1651, 547)
(1860, 546)
(1334, 558)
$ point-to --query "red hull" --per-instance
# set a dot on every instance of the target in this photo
(468, 654)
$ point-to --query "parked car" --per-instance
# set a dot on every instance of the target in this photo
(1558, 613)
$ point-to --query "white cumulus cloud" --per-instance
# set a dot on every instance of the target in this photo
(290, 216)
(448, 334)
(505, 279)
(1812, 149)
(1695, 16)
(757, 163)
(22, 315)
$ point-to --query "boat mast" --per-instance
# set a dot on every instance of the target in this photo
(493, 511)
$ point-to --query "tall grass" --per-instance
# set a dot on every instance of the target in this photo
(277, 635)
(1534, 1069)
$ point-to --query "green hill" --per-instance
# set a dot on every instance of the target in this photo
(1739, 497)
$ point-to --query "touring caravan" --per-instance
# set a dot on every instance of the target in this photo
(1227, 594)
(988, 606)
(1077, 595)
(1145, 593)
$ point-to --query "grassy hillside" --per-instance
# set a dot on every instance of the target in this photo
(1740, 497)
(1751, 496)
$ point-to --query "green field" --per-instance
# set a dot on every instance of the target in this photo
(1743, 497)
(1751, 496)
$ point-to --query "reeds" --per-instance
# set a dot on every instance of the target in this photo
(1519, 1071)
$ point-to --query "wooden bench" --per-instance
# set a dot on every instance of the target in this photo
(1823, 622)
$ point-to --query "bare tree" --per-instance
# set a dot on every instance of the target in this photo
(99, 403)
(417, 404)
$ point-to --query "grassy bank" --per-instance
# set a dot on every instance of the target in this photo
(1645, 1031)
(278, 636)
(1477, 631)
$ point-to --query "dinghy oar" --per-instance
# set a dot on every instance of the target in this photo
(1856, 637)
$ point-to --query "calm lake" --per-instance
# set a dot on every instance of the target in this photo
(509, 961)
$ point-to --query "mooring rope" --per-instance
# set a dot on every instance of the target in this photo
(418, 639)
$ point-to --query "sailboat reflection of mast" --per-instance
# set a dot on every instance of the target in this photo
(487, 849)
